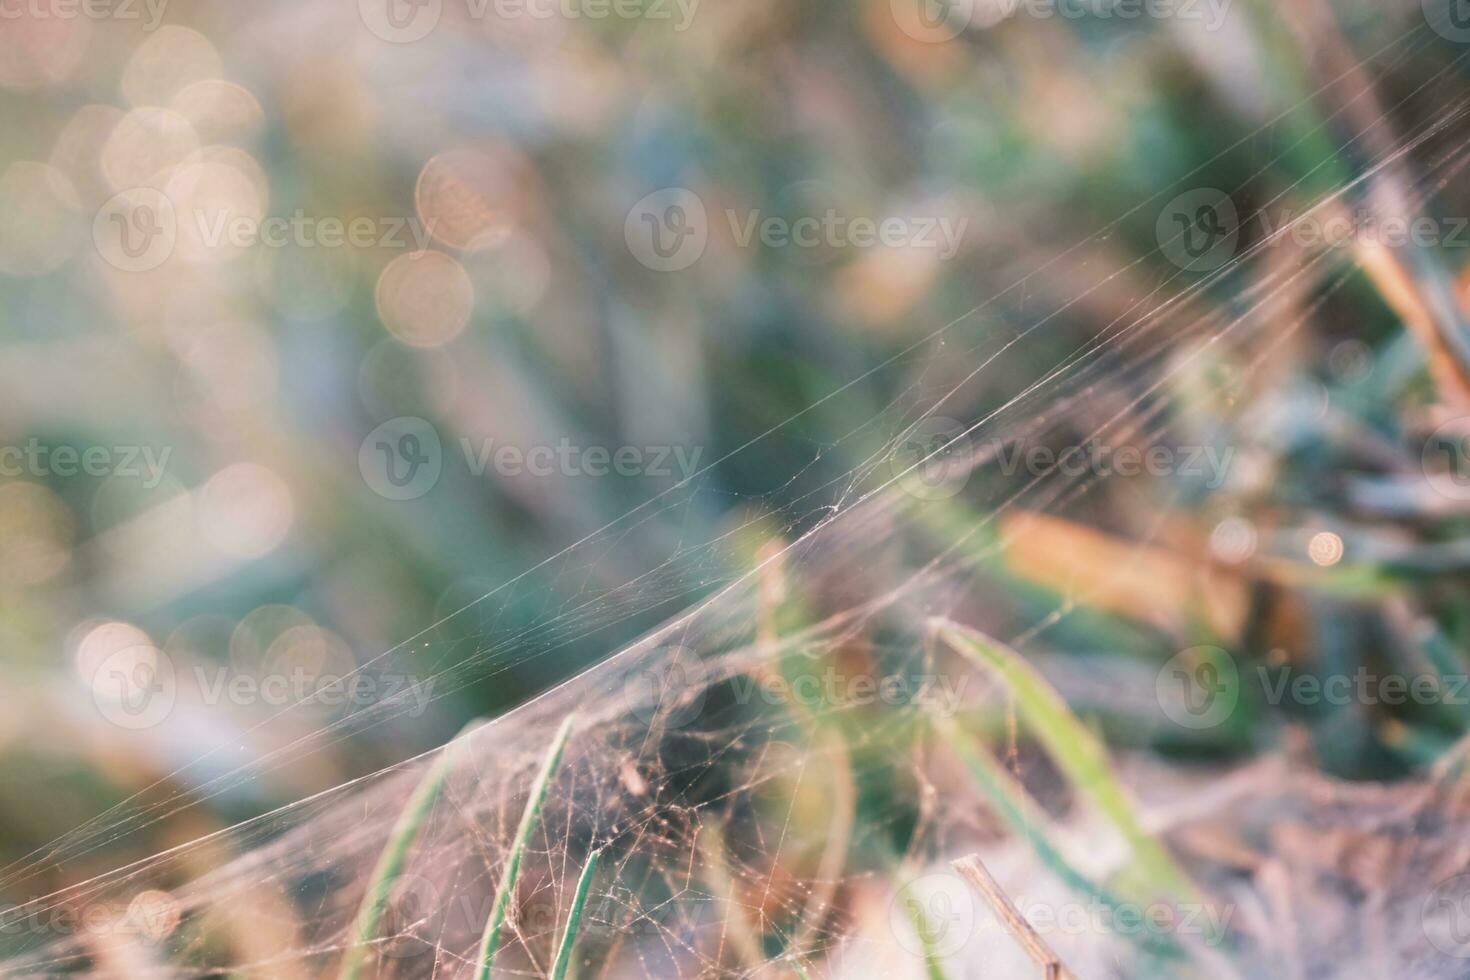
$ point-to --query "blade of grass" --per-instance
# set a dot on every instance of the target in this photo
(391, 861)
(490, 941)
(1019, 812)
(1076, 750)
(975, 872)
(933, 962)
(574, 917)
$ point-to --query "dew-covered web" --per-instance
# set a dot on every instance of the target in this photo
(717, 765)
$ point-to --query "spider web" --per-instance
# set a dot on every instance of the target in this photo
(718, 762)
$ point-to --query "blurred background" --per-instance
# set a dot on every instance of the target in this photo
(338, 338)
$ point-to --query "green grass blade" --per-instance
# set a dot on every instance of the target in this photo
(1019, 812)
(574, 918)
(490, 941)
(1016, 809)
(1077, 752)
(933, 962)
(391, 861)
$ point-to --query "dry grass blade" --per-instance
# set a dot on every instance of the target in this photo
(490, 941)
(1144, 582)
(973, 871)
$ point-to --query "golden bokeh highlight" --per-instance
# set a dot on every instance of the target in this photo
(220, 111)
(246, 510)
(1325, 549)
(170, 60)
(220, 197)
(1233, 540)
(258, 630)
(77, 151)
(425, 298)
(310, 659)
(111, 654)
(146, 146)
(464, 198)
(155, 913)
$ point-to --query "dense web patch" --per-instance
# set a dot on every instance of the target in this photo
(716, 765)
